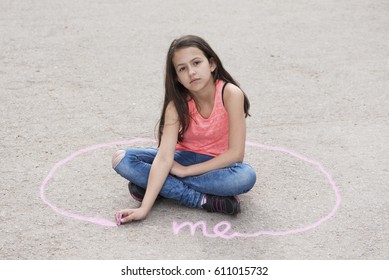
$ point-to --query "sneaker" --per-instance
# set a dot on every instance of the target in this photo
(136, 192)
(222, 204)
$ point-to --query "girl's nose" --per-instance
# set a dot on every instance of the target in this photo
(191, 71)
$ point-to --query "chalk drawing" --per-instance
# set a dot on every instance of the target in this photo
(94, 220)
(223, 228)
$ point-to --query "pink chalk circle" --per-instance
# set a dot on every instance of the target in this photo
(223, 228)
(94, 220)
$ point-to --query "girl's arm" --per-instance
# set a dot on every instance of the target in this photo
(233, 102)
(160, 168)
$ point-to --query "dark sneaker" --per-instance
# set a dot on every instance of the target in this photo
(222, 204)
(136, 192)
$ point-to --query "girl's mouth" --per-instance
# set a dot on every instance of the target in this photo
(194, 80)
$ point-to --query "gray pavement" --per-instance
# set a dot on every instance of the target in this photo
(74, 74)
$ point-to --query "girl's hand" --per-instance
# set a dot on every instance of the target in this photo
(130, 215)
(179, 170)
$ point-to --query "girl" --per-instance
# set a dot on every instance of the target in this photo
(201, 135)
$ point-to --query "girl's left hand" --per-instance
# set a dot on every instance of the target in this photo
(179, 170)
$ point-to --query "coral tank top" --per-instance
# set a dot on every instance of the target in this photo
(207, 136)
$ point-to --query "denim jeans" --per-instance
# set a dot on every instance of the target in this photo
(235, 179)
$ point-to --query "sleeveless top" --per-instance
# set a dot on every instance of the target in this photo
(207, 136)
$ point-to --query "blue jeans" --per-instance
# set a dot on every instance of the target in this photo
(235, 179)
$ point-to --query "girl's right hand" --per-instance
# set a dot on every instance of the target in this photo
(130, 215)
(178, 170)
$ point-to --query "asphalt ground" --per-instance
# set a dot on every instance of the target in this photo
(80, 79)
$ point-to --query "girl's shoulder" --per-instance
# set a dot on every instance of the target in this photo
(231, 92)
(171, 109)
(170, 105)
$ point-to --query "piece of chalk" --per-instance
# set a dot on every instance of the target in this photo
(119, 218)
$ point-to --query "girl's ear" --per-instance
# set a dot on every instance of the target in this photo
(212, 64)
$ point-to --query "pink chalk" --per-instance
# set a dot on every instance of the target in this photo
(119, 218)
(226, 226)
(58, 165)
(223, 228)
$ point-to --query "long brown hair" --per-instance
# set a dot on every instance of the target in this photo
(176, 92)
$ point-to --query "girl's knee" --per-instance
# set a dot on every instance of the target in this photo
(252, 173)
(117, 157)
(250, 176)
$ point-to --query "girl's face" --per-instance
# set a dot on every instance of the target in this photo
(193, 69)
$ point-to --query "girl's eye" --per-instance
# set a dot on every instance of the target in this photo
(181, 69)
(197, 62)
